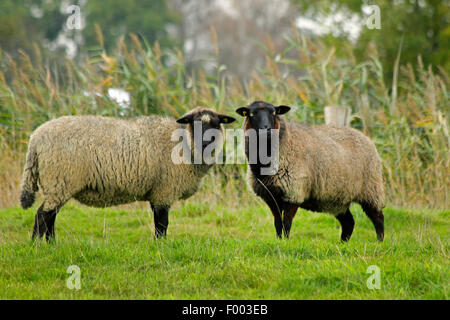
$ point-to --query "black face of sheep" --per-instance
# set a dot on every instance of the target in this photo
(208, 119)
(262, 115)
(261, 127)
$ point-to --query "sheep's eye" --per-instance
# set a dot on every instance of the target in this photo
(274, 113)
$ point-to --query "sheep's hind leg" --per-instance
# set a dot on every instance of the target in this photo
(289, 212)
(377, 218)
(161, 216)
(44, 224)
(347, 223)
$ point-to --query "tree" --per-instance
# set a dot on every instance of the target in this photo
(422, 26)
(148, 19)
(238, 29)
(25, 22)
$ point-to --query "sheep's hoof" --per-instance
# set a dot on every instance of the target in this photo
(380, 237)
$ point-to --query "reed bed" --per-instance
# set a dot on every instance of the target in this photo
(408, 120)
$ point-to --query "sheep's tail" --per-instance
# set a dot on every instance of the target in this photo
(29, 179)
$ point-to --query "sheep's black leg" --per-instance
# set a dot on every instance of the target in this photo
(44, 224)
(39, 224)
(277, 211)
(289, 212)
(161, 216)
(50, 233)
(278, 226)
(377, 218)
(347, 224)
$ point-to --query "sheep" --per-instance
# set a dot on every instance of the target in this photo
(320, 168)
(103, 161)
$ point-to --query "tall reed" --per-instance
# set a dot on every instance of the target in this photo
(410, 128)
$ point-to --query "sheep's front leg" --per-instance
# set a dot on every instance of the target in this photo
(288, 216)
(376, 216)
(277, 211)
(161, 216)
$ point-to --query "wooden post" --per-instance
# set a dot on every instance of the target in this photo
(339, 116)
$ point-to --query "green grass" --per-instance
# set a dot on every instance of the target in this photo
(223, 253)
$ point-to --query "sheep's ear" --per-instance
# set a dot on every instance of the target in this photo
(282, 109)
(186, 119)
(242, 111)
(226, 119)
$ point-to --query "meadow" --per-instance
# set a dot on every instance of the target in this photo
(218, 252)
(221, 242)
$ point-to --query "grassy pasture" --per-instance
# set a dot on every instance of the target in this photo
(223, 252)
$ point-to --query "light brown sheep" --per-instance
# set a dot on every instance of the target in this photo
(321, 168)
(103, 161)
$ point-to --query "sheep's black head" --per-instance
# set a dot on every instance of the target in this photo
(261, 115)
(263, 131)
(208, 119)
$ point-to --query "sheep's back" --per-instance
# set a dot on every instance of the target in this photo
(333, 164)
(98, 157)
